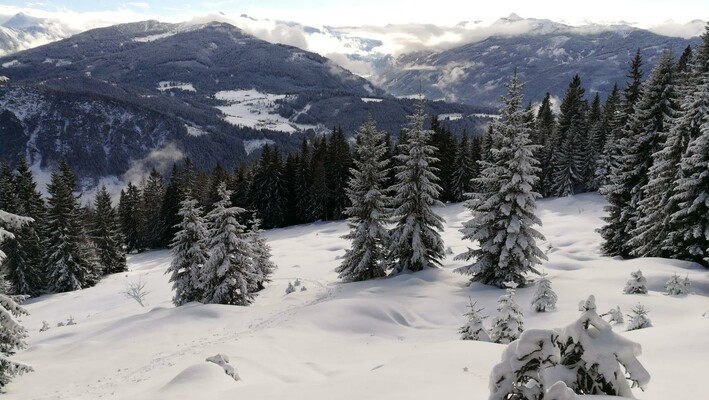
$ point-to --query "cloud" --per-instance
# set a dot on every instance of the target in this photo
(140, 5)
(160, 159)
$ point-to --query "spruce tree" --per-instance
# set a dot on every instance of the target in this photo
(644, 136)
(508, 324)
(605, 138)
(544, 298)
(261, 254)
(464, 168)
(443, 158)
(415, 239)
(106, 235)
(68, 259)
(268, 188)
(570, 160)
(12, 334)
(188, 254)
(319, 193)
(636, 284)
(616, 192)
(228, 274)
(151, 204)
(504, 204)
(24, 268)
(639, 318)
(544, 134)
(473, 328)
(131, 217)
(339, 162)
(369, 212)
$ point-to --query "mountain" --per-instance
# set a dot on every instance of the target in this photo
(110, 97)
(546, 56)
(23, 31)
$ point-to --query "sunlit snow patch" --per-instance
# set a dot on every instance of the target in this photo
(254, 109)
(167, 85)
(371, 100)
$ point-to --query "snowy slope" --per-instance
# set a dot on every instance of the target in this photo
(392, 338)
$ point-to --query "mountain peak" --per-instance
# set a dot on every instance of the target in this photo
(514, 17)
(22, 21)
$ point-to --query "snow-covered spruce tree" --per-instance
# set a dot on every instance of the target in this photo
(228, 275)
(544, 298)
(68, 259)
(639, 318)
(106, 235)
(644, 136)
(473, 328)
(508, 324)
(608, 129)
(636, 284)
(504, 203)
(12, 334)
(586, 356)
(188, 254)
(615, 189)
(415, 239)
(615, 315)
(571, 142)
(465, 167)
(261, 256)
(366, 258)
(25, 270)
(544, 133)
(689, 224)
(677, 286)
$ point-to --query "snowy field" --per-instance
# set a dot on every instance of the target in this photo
(391, 338)
(254, 109)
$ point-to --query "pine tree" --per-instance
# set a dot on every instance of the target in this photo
(473, 328)
(415, 239)
(544, 298)
(24, 268)
(339, 162)
(369, 212)
(464, 168)
(615, 315)
(639, 318)
(151, 204)
(189, 254)
(228, 274)
(68, 258)
(508, 324)
(570, 158)
(131, 217)
(261, 253)
(677, 286)
(636, 284)
(106, 235)
(504, 204)
(614, 190)
(654, 205)
(543, 135)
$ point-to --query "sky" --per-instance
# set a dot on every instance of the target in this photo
(93, 13)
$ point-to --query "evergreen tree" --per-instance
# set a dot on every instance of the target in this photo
(303, 183)
(464, 168)
(508, 324)
(605, 138)
(443, 158)
(473, 328)
(645, 135)
(339, 162)
(170, 207)
(261, 254)
(544, 134)
(677, 286)
(106, 235)
(228, 274)
(151, 204)
(188, 254)
(639, 318)
(23, 266)
(268, 188)
(616, 192)
(319, 193)
(636, 284)
(131, 217)
(68, 257)
(504, 204)
(544, 298)
(369, 212)
(570, 160)
(415, 239)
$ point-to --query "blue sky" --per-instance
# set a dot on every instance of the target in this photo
(378, 12)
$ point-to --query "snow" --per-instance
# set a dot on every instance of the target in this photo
(254, 109)
(371, 100)
(10, 64)
(152, 38)
(450, 117)
(393, 338)
(167, 85)
(195, 130)
(254, 144)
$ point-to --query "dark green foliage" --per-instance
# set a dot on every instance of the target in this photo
(130, 211)
(106, 235)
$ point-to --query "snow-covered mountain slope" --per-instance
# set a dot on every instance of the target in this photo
(392, 338)
(23, 32)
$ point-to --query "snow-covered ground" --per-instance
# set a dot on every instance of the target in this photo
(254, 109)
(391, 338)
(167, 85)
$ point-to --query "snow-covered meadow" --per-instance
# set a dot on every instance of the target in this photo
(393, 338)
(254, 109)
